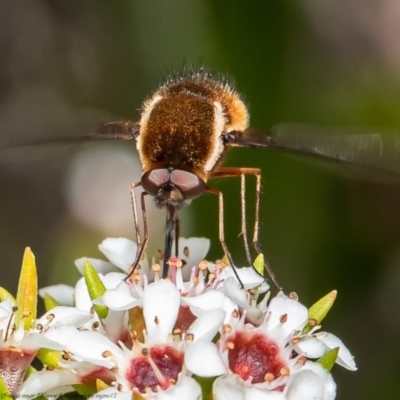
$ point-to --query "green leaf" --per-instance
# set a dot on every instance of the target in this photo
(327, 361)
(318, 311)
(27, 291)
(50, 302)
(259, 264)
(85, 390)
(49, 357)
(95, 287)
(30, 370)
(4, 390)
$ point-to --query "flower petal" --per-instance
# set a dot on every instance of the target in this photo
(296, 316)
(161, 302)
(210, 300)
(120, 298)
(120, 251)
(311, 347)
(63, 294)
(95, 348)
(192, 251)
(45, 380)
(202, 358)
(187, 389)
(101, 266)
(228, 387)
(311, 382)
(64, 316)
(207, 325)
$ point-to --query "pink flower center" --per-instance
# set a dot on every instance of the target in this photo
(13, 365)
(253, 356)
(160, 367)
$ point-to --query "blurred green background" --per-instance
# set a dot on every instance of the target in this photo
(67, 65)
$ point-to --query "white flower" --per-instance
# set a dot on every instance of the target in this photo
(155, 367)
(269, 360)
(18, 347)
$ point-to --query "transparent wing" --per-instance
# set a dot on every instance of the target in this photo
(369, 148)
(374, 149)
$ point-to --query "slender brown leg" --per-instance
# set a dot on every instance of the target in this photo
(222, 230)
(227, 172)
(135, 212)
(243, 217)
(140, 245)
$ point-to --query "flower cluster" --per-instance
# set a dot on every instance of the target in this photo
(200, 333)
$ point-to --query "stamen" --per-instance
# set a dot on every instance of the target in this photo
(106, 353)
(50, 317)
(211, 277)
(235, 314)
(230, 345)
(285, 371)
(295, 339)
(269, 377)
(190, 337)
(219, 266)
(156, 267)
(9, 329)
(283, 318)
(301, 360)
(186, 251)
(312, 321)
(203, 265)
(293, 296)
(174, 262)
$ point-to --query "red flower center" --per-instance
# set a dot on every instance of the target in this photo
(253, 356)
(142, 375)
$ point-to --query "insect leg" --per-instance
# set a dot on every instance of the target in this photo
(242, 172)
(227, 172)
(222, 229)
(141, 245)
(135, 212)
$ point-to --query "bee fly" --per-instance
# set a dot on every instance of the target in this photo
(184, 131)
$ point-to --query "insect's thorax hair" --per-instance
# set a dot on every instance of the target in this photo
(183, 122)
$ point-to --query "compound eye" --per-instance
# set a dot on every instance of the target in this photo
(189, 184)
(153, 180)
